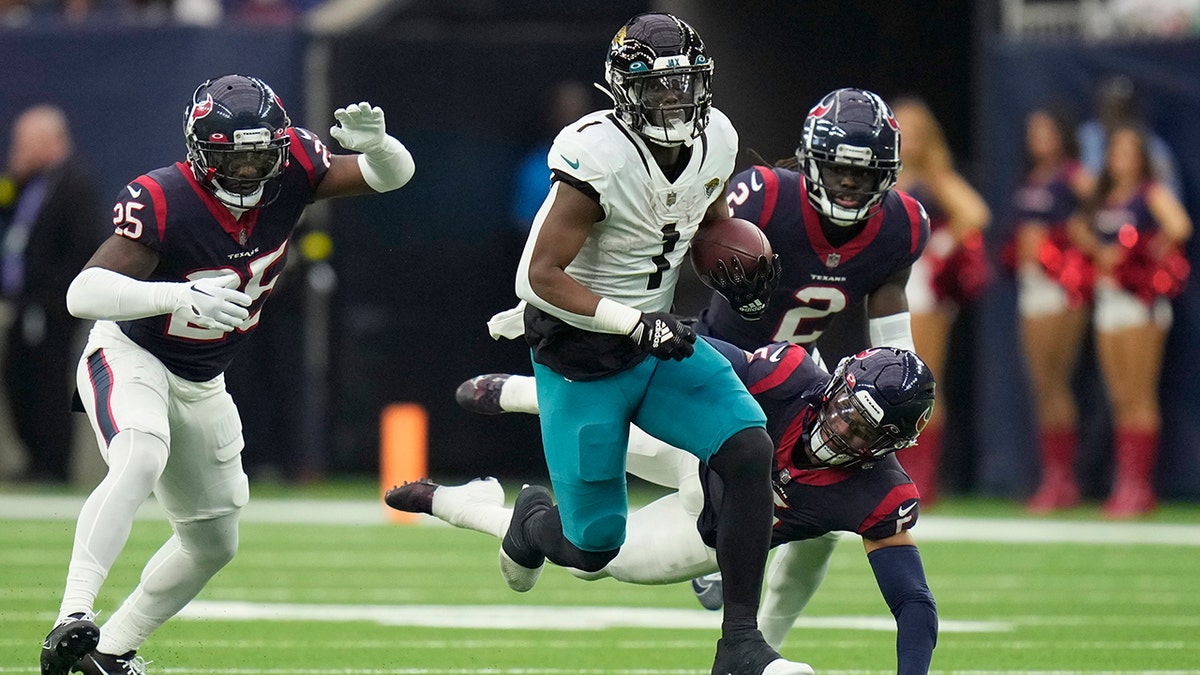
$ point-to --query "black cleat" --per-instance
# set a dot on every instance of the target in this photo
(67, 643)
(753, 656)
(520, 561)
(99, 663)
(710, 591)
(414, 497)
(481, 394)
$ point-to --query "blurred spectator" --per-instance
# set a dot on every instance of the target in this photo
(55, 225)
(1053, 291)
(566, 102)
(950, 273)
(1116, 105)
(15, 12)
(1133, 228)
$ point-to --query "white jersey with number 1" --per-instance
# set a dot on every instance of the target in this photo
(634, 252)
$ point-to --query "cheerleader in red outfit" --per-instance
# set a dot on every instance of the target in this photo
(952, 271)
(1054, 282)
(1133, 229)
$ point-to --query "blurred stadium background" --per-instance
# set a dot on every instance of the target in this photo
(388, 300)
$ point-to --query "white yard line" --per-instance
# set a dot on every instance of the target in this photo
(929, 528)
(529, 617)
(583, 671)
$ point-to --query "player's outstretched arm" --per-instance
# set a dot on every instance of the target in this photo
(901, 578)
(110, 288)
(383, 164)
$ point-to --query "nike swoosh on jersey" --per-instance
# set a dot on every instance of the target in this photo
(136, 193)
(754, 182)
(573, 165)
(904, 511)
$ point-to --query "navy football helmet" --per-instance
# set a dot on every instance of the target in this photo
(660, 78)
(878, 402)
(850, 155)
(235, 129)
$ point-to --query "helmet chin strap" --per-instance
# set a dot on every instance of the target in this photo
(678, 127)
(237, 201)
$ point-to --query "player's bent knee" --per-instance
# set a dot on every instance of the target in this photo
(605, 534)
(748, 452)
(211, 541)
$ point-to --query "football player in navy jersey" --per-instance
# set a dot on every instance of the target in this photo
(834, 471)
(196, 250)
(844, 235)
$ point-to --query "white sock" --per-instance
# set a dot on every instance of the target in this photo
(519, 394)
(478, 505)
(793, 576)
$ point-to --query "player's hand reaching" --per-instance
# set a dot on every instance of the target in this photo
(748, 293)
(215, 303)
(360, 127)
(664, 336)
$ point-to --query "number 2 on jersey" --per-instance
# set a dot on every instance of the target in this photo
(802, 324)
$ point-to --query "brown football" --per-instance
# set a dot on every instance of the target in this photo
(724, 239)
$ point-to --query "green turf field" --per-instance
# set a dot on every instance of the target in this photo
(346, 599)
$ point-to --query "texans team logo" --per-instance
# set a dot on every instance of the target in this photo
(891, 122)
(821, 108)
(202, 108)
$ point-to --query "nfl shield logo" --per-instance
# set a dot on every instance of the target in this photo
(670, 199)
(832, 260)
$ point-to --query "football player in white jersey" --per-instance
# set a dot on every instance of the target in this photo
(631, 186)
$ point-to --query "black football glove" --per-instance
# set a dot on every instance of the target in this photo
(747, 293)
(664, 336)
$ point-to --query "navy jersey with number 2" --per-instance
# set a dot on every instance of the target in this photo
(818, 278)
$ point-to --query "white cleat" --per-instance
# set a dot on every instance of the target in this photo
(785, 667)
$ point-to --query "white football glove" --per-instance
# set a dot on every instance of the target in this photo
(214, 303)
(360, 128)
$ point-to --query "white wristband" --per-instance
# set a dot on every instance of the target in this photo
(388, 167)
(893, 330)
(613, 317)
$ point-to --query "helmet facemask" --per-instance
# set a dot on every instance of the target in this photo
(239, 171)
(666, 105)
(849, 186)
(847, 430)
(876, 403)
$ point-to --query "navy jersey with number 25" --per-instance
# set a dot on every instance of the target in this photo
(197, 236)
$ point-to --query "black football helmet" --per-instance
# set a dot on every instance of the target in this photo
(235, 129)
(660, 77)
(878, 402)
(850, 155)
